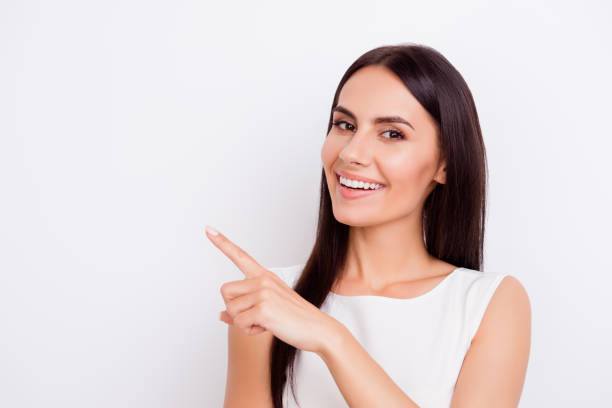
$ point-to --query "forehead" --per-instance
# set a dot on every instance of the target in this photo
(375, 90)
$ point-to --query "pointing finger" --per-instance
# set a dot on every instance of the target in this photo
(237, 255)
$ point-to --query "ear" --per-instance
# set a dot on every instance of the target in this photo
(440, 176)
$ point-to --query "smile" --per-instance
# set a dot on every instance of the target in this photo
(351, 189)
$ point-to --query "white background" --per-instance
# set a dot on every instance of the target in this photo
(127, 126)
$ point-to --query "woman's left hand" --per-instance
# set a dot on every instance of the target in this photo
(263, 301)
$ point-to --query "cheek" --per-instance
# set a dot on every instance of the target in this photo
(329, 151)
(408, 173)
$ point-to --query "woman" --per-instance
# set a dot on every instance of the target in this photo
(391, 308)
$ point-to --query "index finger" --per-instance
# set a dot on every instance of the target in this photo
(237, 255)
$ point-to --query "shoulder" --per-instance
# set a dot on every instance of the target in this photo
(509, 311)
(512, 290)
(494, 368)
(510, 302)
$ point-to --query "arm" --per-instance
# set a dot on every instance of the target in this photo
(494, 368)
(248, 374)
(492, 373)
(361, 380)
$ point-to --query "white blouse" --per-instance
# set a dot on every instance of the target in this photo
(420, 342)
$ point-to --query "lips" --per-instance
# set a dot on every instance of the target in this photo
(356, 177)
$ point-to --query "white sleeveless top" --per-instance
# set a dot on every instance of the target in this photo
(420, 342)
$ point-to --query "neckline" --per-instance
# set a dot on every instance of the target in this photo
(427, 294)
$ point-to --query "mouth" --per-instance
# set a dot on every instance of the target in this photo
(351, 193)
(365, 185)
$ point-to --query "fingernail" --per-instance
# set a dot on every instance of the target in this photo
(211, 230)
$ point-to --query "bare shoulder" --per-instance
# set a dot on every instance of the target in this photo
(509, 308)
(495, 366)
(248, 372)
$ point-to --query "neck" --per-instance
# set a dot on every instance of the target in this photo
(386, 253)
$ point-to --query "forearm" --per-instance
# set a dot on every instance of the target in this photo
(361, 380)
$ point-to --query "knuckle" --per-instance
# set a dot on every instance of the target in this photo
(259, 309)
(265, 281)
(265, 294)
(240, 321)
(230, 310)
(263, 312)
(273, 279)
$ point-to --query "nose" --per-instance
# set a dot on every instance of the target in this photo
(357, 150)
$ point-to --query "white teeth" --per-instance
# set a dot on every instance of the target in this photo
(359, 184)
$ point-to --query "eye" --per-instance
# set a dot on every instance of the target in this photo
(398, 135)
(397, 132)
(339, 122)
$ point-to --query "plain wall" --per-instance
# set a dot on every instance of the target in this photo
(127, 126)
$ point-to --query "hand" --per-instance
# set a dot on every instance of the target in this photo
(263, 301)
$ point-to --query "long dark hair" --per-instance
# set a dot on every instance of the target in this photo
(453, 213)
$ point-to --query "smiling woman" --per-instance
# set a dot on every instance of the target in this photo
(409, 319)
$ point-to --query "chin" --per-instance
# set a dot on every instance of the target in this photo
(358, 220)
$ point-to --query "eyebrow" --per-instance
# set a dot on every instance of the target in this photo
(382, 119)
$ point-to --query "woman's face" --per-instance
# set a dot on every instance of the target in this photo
(402, 158)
